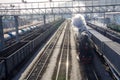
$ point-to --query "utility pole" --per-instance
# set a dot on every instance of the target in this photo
(16, 27)
(1, 34)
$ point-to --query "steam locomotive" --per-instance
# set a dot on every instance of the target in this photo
(83, 38)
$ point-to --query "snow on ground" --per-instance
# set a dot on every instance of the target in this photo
(75, 73)
(51, 66)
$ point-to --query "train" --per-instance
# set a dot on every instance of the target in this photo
(12, 34)
(86, 48)
(108, 49)
(113, 21)
(10, 64)
(83, 38)
(106, 32)
(114, 27)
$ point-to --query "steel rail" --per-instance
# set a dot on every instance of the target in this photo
(90, 72)
(39, 66)
(68, 51)
(64, 55)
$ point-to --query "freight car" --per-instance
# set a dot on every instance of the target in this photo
(108, 33)
(12, 34)
(114, 27)
(113, 21)
(10, 63)
(109, 50)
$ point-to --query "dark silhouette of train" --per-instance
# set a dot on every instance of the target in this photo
(83, 38)
(86, 48)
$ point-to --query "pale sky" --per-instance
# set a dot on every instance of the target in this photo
(103, 2)
(11, 1)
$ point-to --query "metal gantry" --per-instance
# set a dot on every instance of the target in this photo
(52, 8)
(56, 8)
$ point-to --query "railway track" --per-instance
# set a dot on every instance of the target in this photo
(15, 57)
(62, 70)
(17, 45)
(26, 36)
(38, 69)
(90, 72)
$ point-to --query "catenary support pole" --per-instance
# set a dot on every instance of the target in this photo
(16, 28)
(1, 34)
(44, 17)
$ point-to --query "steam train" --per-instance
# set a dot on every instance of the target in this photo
(83, 38)
(85, 46)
